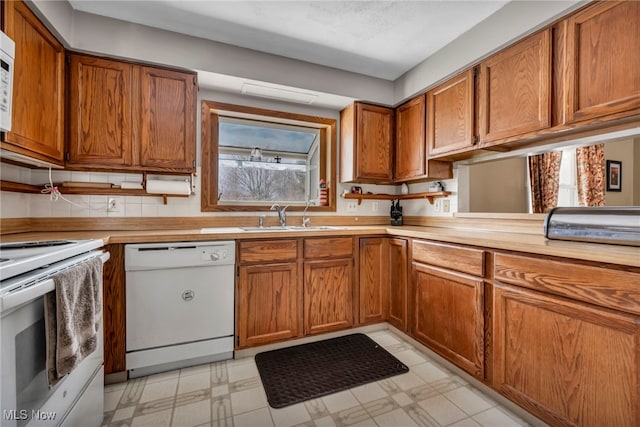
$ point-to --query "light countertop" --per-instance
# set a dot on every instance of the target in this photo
(528, 243)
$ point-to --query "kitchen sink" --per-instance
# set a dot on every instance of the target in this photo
(293, 228)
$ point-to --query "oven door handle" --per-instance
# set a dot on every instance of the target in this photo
(34, 291)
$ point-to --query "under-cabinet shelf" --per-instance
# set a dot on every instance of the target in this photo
(18, 187)
(429, 196)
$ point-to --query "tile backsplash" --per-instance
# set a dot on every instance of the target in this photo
(17, 205)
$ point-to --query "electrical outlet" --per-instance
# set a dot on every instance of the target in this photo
(446, 205)
(113, 204)
(375, 206)
(352, 206)
(437, 205)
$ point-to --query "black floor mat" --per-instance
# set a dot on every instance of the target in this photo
(302, 372)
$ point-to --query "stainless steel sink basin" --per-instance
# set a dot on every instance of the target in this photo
(293, 228)
(273, 228)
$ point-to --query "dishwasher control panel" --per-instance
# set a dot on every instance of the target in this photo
(214, 254)
(155, 256)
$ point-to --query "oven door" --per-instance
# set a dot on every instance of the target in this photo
(24, 380)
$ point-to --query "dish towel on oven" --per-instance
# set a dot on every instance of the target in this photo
(72, 317)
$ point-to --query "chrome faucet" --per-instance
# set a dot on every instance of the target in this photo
(305, 220)
(281, 213)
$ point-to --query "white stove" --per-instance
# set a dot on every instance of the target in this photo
(26, 275)
(21, 257)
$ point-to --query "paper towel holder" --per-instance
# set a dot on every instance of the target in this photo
(165, 197)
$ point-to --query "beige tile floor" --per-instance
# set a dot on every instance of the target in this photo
(230, 393)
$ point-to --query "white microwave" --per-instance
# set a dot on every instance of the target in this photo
(7, 54)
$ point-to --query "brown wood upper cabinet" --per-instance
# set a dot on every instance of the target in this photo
(127, 116)
(515, 90)
(410, 147)
(167, 119)
(450, 110)
(602, 61)
(100, 119)
(37, 128)
(366, 143)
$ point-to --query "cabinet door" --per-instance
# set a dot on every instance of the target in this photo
(100, 132)
(603, 42)
(398, 272)
(267, 304)
(328, 300)
(115, 311)
(410, 150)
(37, 119)
(373, 277)
(515, 90)
(567, 362)
(449, 316)
(374, 142)
(366, 143)
(450, 108)
(167, 120)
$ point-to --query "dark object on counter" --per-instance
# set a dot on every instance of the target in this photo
(307, 371)
(618, 225)
(396, 212)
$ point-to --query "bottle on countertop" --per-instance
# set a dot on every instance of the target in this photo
(323, 193)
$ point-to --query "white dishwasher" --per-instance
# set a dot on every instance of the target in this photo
(180, 304)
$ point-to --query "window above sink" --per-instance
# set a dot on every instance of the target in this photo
(254, 157)
(267, 162)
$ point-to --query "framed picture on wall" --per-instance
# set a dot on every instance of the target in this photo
(614, 175)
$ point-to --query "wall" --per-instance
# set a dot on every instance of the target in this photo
(497, 186)
(626, 152)
(14, 205)
(421, 207)
(113, 37)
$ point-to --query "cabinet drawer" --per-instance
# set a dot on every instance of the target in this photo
(459, 258)
(268, 250)
(595, 285)
(328, 247)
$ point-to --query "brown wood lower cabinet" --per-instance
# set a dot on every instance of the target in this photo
(373, 280)
(328, 295)
(568, 362)
(398, 284)
(448, 315)
(114, 316)
(268, 303)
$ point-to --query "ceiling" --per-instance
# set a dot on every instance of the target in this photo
(382, 39)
